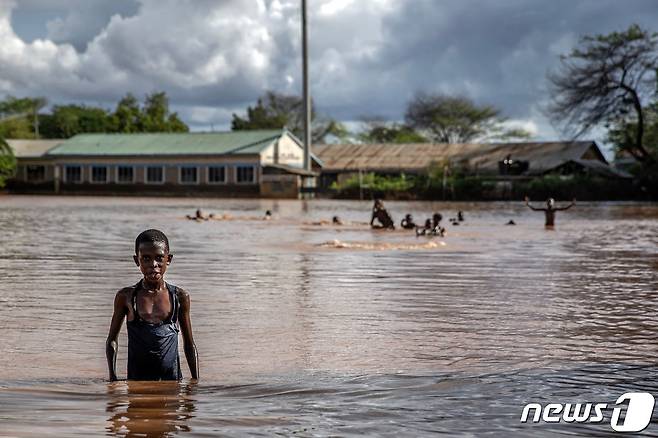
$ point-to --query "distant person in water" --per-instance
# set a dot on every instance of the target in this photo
(437, 229)
(382, 216)
(511, 222)
(199, 216)
(155, 311)
(408, 222)
(424, 230)
(550, 210)
(336, 220)
(268, 215)
(460, 216)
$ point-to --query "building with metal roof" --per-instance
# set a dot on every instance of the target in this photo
(238, 163)
(494, 160)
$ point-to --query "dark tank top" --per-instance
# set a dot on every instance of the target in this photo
(153, 348)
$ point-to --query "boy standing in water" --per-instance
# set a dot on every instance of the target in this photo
(154, 311)
(549, 210)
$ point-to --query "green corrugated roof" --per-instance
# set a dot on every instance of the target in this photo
(195, 143)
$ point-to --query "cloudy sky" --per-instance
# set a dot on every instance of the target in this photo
(368, 57)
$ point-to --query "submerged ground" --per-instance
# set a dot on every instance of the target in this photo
(312, 329)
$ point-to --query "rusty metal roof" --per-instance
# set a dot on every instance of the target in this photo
(415, 157)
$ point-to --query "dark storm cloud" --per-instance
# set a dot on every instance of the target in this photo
(367, 57)
(75, 22)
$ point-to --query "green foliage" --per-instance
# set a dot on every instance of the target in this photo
(7, 162)
(278, 111)
(375, 184)
(457, 119)
(127, 117)
(69, 120)
(19, 117)
(382, 132)
(423, 186)
(623, 132)
(66, 121)
(155, 115)
(19, 127)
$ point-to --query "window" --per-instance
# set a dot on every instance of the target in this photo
(125, 174)
(73, 174)
(245, 174)
(35, 173)
(188, 175)
(216, 174)
(155, 174)
(98, 174)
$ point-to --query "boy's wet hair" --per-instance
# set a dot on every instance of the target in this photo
(151, 236)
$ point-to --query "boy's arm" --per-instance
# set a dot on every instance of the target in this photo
(185, 322)
(112, 344)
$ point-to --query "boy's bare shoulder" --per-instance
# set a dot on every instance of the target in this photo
(183, 295)
(125, 293)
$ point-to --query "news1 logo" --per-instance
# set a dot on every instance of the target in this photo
(637, 416)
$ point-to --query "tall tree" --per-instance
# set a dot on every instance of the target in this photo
(278, 111)
(608, 79)
(457, 119)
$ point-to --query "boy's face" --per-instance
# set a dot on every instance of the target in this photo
(153, 260)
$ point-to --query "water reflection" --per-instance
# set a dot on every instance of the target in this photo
(152, 409)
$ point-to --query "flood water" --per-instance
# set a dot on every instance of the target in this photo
(319, 330)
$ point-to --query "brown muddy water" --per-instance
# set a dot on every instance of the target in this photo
(317, 330)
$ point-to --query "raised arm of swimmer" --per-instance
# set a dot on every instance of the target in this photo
(527, 202)
(573, 202)
(185, 321)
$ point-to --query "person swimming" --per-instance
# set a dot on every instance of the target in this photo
(268, 215)
(550, 210)
(336, 220)
(380, 213)
(408, 222)
(437, 229)
(199, 216)
(422, 231)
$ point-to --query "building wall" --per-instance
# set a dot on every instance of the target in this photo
(170, 185)
(280, 186)
(284, 151)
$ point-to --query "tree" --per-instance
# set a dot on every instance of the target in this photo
(70, 120)
(622, 133)
(378, 130)
(278, 111)
(456, 119)
(156, 116)
(7, 162)
(21, 116)
(127, 116)
(607, 79)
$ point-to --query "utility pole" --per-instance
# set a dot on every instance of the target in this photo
(306, 93)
